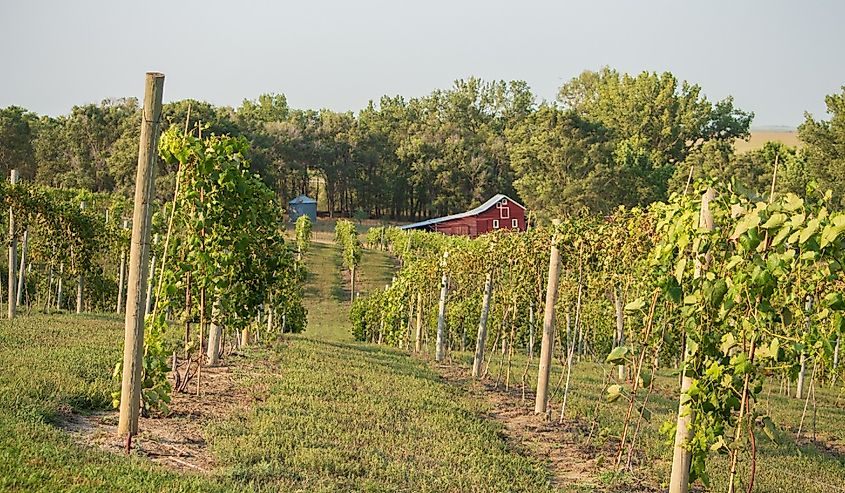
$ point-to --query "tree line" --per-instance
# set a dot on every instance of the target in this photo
(609, 139)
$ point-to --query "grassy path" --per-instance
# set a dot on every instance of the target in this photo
(337, 415)
(357, 417)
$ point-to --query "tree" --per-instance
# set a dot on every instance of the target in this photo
(16, 135)
(825, 147)
(670, 118)
(554, 154)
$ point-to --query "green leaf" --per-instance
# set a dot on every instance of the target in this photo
(617, 355)
(774, 221)
(614, 392)
(680, 267)
(809, 231)
(635, 305)
(728, 343)
(834, 301)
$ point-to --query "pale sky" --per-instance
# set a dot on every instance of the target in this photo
(777, 58)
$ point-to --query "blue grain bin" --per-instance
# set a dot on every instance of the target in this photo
(302, 206)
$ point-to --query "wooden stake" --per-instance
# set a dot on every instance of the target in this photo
(215, 333)
(440, 348)
(133, 348)
(13, 254)
(21, 271)
(419, 337)
(481, 340)
(547, 344)
(679, 480)
(80, 279)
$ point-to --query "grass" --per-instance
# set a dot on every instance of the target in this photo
(343, 416)
(49, 366)
(346, 416)
(782, 467)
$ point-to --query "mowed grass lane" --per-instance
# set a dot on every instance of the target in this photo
(342, 417)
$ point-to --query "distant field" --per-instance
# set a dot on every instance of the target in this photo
(758, 138)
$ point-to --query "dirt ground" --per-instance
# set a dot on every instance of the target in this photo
(573, 462)
(178, 440)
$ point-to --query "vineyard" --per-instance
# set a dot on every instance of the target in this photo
(192, 339)
(735, 293)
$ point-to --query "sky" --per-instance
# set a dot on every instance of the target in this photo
(776, 58)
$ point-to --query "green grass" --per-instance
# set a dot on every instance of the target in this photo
(781, 467)
(346, 416)
(349, 417)
(327, 288)
(342, 416)
(51, 365)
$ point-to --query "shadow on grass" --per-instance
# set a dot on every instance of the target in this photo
(391, 359)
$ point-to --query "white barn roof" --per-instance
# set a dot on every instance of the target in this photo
(478, 210)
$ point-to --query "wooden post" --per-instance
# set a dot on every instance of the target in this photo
(352, 284)
(215, 333)
(418, 341)
(620, 327)
(269, 314)
(21, 271)
(679, 480)
(121, 280)
(133, 348)
(481, 340)
(531, 330)
(13, 254)
(80, 279)
(59, 291)
(440, 348)
(547, 344)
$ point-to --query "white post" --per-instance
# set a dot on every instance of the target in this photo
(679, 479)
(81, 279)
(440, 348)
(13, 254)
(481, 340)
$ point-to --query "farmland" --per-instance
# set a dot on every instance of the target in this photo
(759, 137)
(335, 414)
(667, 311)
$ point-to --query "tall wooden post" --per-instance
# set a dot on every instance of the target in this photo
(21, 271)
(418, 340)
(547, 344)
(13, 254)
(531, 330)
(481, 340)
(60, 289)
(440, 348)
(352, 284)
(215, 334)
(121, 280)
(139, 252)
(679, 480)
(620, 327)
(81, 279)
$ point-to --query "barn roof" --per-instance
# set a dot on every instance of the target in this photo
(303, 199)
(473, 212)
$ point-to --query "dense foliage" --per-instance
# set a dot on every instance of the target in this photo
(611, 139)
(64, 242)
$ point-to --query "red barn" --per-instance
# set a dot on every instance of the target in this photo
(500, 212)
